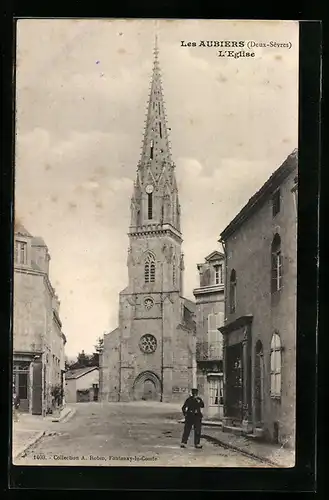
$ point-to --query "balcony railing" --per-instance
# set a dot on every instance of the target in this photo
(209, 351)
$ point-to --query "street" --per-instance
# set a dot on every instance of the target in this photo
(126, 434)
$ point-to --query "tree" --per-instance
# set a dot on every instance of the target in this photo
(98, 349)
(84, 360)
(100, 344)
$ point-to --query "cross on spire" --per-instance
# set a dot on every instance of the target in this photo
(156, 47)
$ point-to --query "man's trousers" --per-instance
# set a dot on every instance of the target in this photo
(195, 422)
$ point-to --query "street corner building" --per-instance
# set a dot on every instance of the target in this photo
(259, 334)
(209, 298)
(82, 384)
(38, 340)
(151, 353)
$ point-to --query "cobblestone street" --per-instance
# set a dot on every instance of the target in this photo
(121, 434)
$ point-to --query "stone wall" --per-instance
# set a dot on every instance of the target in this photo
(109, 369)
(29, 322)
(249, 253)
(35, 328)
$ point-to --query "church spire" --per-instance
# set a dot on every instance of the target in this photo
(155, 198)
(155, 149)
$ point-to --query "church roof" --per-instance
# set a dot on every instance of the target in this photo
(111, 332)
(189, 304)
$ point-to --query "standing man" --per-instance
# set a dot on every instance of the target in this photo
(193, 418)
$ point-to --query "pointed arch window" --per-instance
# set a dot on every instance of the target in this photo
(149, 206)
(276, 268)
(151, 151)
(149, 268)
(276, 364)
(232, 291)
(160, 130)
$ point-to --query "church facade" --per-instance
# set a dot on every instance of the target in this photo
(151, 355)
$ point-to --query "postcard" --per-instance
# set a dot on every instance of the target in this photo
(155, 257)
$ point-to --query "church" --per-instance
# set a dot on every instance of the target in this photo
(151, 354)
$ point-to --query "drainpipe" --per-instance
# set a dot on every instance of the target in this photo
(222, 242)
(194, 364)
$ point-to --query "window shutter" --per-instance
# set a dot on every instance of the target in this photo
(272, 361)
(220, 320)
(152, 272)
(211, 322)
(147, 272)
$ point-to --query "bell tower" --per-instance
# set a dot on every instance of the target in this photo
(149, 356)
(155, 208)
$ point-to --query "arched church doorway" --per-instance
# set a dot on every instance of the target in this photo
(147, 387)
(259, 382)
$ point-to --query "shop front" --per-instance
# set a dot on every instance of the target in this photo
(237, 373)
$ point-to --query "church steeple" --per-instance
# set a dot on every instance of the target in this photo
(155, 198)
(155, 147)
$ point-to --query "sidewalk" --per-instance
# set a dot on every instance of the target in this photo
(274, 455)
(30, 428)
(23, 439)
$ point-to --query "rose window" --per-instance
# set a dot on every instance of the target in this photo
(148, 303)
(148, 343)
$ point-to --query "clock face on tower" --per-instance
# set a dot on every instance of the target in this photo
(149, 189)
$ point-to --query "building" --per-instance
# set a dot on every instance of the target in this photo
(82, 384)
(260, 310)
(209, 298)
(38, 340)
(151, 353)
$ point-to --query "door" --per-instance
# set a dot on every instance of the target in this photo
(213, 396)
(83, 396)
(37, 388)
(234, 381)
(95, 391)
(147, 386)
(22, 384)
(149, 391)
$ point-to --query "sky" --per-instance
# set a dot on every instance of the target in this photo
(81, 96)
